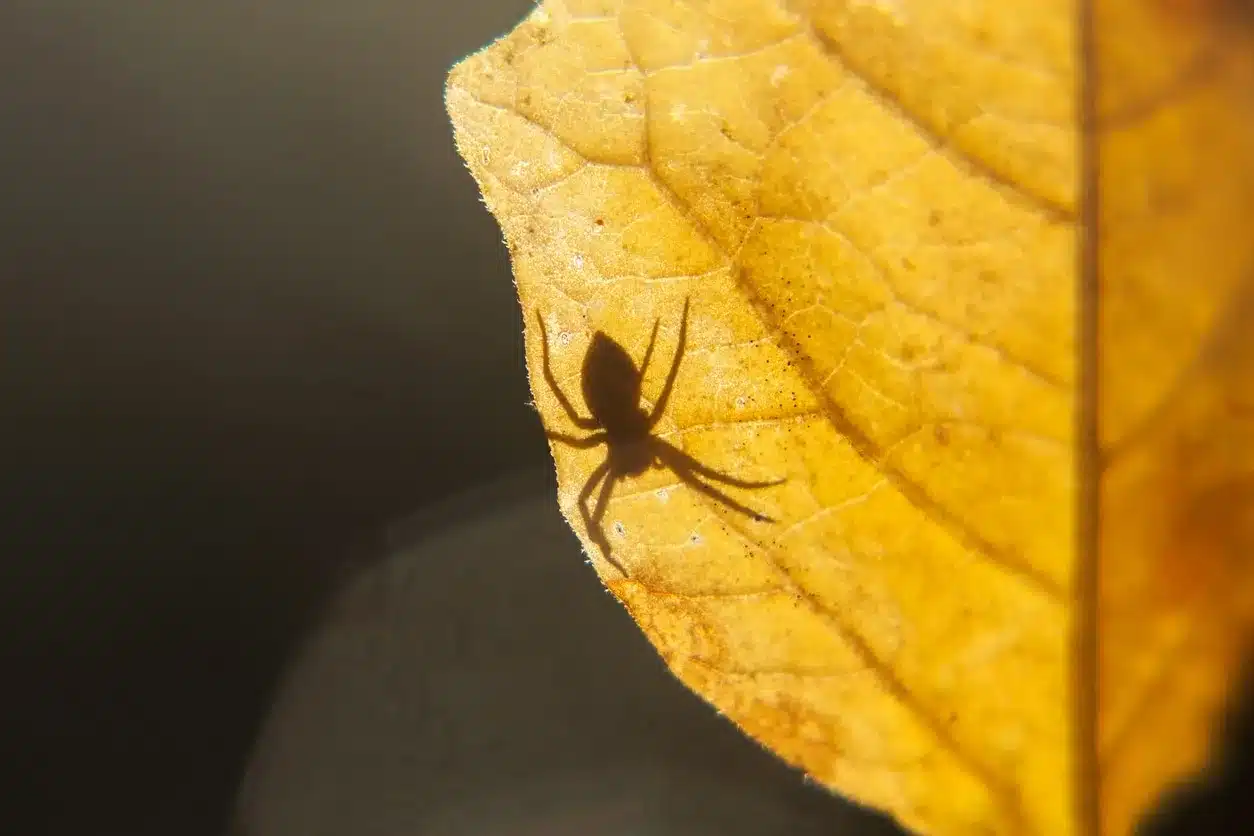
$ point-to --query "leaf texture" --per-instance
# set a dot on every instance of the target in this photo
(886, 224)
(1174, 205)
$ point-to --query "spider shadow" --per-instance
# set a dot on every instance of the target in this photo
(611, 387)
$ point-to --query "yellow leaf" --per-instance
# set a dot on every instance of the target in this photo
(1174, 185)
(876, 234)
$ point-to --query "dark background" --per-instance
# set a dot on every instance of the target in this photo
(251, 309)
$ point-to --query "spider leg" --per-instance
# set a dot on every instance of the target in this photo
(688, 468)
(673, 457)
(648, 352)
(598, 516)
(607, 489)
(659, 408)
(690, 479)
(581, 422)
(578, 443)
(592, 521)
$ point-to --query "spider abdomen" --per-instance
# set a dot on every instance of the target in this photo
(611, 383)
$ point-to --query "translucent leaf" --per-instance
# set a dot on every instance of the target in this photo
(972, 283)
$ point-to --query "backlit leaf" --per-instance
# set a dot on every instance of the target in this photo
(1174, 210)
(973, 280)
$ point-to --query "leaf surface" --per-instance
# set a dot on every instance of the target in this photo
(1173, 154)
(891, 237)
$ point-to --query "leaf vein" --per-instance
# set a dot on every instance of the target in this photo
(888, 678)
(965, 160)
(867, 449)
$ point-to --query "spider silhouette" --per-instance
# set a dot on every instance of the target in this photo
(611, 389)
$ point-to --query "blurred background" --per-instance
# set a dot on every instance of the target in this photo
(251, 313)
(251, 309)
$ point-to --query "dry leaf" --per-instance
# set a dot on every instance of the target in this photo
(893, 240)
(1174, 172)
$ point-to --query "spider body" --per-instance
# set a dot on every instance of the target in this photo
(611, 387)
